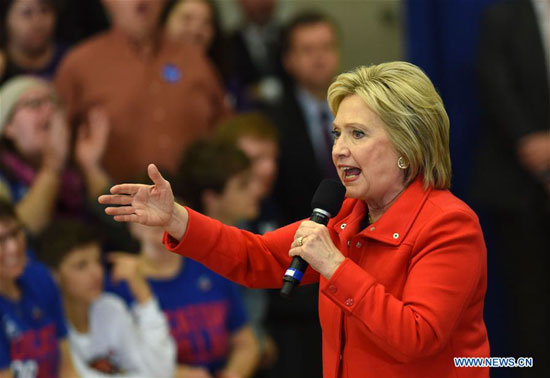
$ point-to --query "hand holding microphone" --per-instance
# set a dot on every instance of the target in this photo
(312, 240)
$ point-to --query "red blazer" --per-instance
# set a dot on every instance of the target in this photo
(407, 299)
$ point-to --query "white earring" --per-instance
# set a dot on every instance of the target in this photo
(401, 163)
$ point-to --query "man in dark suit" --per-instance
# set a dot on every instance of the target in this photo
(513, 180)
(311, 57)
(253, 72)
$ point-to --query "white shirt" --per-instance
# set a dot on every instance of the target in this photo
(138, 343)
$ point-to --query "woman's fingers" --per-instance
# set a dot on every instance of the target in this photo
(306, 228)
(115, 199)
(155, 176)
(298, 241)
(104, 199)
(126, 218)
(122, 210)
(126, 188)
(294, 251)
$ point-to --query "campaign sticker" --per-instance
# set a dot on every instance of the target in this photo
(171, 73)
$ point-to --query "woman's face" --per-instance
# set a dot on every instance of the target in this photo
(12, 250)
(192, 21)
(30, 26)
(363, 154)
(28, 128)
(80, 274)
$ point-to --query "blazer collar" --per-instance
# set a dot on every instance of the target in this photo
(395, 223)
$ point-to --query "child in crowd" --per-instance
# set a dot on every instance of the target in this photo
(257, 137)
(32, 325)
(105, 338)
(205, 311)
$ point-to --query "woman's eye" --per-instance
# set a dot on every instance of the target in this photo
(357, 134)
(335, 134)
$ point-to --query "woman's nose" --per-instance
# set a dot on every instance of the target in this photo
(340, 147)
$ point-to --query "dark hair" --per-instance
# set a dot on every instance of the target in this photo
(207, 165)
(5, 7)
(252, 124)
(306, 18)
(216, 51)
(7, 211)
(61, 238)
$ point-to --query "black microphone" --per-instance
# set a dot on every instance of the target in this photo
(326, 203)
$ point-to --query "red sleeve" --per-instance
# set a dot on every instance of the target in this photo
(447, 266)
(252, 260)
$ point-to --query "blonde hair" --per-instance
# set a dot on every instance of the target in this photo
(413, 114)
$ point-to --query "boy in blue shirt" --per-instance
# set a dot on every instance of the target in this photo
(105, 337)
(32, 325)
(205, 311)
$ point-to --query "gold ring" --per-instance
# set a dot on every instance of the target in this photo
(300, 241)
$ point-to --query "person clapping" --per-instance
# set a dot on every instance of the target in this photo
(41, 172)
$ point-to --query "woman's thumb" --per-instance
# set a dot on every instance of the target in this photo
(155, 176)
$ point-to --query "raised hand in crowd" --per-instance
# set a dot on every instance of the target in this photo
(126, 268)
(36, 207)
(56, 148)
(91, 140)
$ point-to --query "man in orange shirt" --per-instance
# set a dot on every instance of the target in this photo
(159, 94)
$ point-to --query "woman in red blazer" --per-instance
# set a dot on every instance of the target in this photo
(402, 267)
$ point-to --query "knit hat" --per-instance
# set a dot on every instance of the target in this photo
(11, 92)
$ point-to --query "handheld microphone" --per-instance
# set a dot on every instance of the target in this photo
(326, 203)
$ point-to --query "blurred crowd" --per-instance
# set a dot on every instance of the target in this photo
(91, 92)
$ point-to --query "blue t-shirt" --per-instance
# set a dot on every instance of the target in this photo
(202, 309)
(31, 328)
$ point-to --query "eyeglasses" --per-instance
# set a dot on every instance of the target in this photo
(14, 233)
(37, 102)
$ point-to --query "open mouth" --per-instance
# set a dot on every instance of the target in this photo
(350, 172)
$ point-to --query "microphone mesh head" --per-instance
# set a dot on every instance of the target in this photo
(329, 196)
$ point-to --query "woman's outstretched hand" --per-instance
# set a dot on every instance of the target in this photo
(150, 205)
